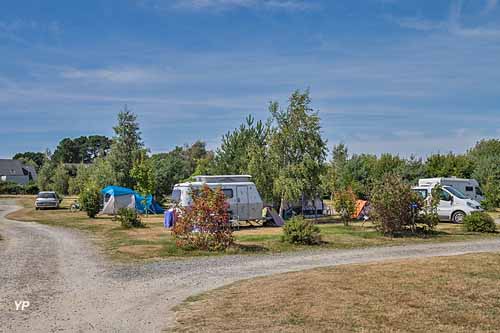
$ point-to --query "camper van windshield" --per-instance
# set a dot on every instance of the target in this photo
(176, 195)
(455, 192)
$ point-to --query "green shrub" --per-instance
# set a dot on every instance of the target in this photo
(129, 218)
(479, 222)
(90, 200)
(344, 202)
(392, 201)
(300, 231)
(31, 188)
(10, 188)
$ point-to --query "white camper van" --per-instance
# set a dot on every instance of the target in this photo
(245, 203)
(469, 187)
(453, 206)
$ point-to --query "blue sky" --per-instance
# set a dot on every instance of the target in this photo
(386, 75)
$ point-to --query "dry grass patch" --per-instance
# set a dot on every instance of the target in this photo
(139, 251)
(495, 214)
(449, 294)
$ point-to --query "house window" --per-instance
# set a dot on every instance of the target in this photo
(469, 189)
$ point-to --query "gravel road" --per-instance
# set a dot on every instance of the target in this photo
(71, 287)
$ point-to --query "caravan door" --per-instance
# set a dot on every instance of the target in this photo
(243, 202)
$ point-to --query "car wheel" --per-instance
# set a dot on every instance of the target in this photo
(458, 217)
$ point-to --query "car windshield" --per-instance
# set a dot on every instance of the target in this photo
(46, 195)
(455, 192)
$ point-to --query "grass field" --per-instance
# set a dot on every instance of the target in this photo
(154, 241)
(449, 294)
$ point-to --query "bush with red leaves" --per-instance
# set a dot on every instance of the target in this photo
(205, 224)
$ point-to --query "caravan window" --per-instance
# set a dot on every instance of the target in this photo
(228, 193)
(469, 189)
(176, 195)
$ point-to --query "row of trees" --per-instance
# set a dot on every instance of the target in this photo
(123, 161)
(286, 155)
(361, 172)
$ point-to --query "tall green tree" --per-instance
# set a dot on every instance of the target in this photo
(298, 149)
(98, 174)
(37, 158)
(333, 180)
(233, 156)
(486, 158)
(180, 164)
(449, 165)
(262, 165)
(46, 176)
(60, 179)
(82, 149)
(126, 147)
(143, 174)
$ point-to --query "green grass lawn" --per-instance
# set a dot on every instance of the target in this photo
(154, 241)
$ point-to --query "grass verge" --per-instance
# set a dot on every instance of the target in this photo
(448, 294)
(154, 241)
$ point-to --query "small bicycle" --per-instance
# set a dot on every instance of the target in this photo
(75, 207)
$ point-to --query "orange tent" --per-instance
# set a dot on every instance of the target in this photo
(360, 206)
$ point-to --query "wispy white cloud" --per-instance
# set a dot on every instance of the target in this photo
(115, 75)
(417, 23)
(220, 5)
(18, 24)
(453, 24)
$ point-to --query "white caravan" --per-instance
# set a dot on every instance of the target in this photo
(469, 187)
(244, 200)
(453, 206)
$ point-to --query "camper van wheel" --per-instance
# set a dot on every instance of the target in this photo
(458, 217)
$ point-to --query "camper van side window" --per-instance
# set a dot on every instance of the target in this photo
(228, 193)
(176, 195)
(469, 189)
(445, 196)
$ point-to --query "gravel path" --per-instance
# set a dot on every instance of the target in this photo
(72, 288)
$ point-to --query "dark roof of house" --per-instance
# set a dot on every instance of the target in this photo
(11, 168)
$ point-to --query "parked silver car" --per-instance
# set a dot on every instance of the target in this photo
(47, 200)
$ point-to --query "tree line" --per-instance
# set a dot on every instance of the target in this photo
(285, 154)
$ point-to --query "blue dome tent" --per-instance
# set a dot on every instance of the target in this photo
(116, 197)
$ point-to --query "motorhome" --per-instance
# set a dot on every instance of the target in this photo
(469, 187)
(245, 203)
(453, 204)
